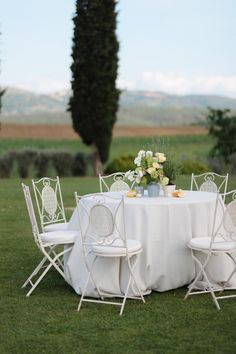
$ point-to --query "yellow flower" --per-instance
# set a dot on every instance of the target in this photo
(150, 170)
(156, 165)
(160, 156)
(165, 181)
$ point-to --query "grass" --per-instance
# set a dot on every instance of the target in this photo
(192, 146)
(48, 322)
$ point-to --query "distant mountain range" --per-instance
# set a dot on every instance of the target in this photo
(136, 107)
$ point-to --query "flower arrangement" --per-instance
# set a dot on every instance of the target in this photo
(149, 168)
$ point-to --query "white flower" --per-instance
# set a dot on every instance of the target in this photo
(149, 154)
(129, 175)
(141, 153)
(137, 161)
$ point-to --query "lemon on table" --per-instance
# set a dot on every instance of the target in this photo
(131, 193)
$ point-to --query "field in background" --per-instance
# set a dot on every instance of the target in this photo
(66, 131)
(188, 146)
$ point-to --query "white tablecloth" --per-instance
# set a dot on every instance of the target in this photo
(163, 225)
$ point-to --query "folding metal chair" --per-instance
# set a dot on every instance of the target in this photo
(48, 243)
(222, 241)
(210, 182)
(102, 228)
(115, 182)
(49, 202)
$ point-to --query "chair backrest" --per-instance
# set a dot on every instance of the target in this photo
(210, 182)
(229, 218)
(49, 201)
(101, 220)
(224, 224)
(115, 182)
(31, 213)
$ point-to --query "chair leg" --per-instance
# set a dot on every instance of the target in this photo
(35, 272)
(231, 275)
(85, 286)
(55, 259)
(211, 291)
(52, 262)
(39, 280)
(198, 274)
(126, 293)
(92, 277)
(133, 276)
(59, 261)
(202, 271)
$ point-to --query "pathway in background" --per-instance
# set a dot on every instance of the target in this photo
(66, 132)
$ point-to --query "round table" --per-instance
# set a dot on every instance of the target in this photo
(163, 225)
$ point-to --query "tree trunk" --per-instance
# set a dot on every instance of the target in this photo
(97, 164)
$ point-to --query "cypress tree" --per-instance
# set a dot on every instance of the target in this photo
(1, 91)
(94, 101)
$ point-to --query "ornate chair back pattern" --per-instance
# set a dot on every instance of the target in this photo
(99, 214)
(114, 182)
(210, 182)
(49, 200)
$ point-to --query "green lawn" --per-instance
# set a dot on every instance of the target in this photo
(48, 322)
(196, 146)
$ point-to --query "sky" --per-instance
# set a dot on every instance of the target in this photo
(174, 46)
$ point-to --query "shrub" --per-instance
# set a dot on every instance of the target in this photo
(121, 164)
(193, 166)
(6, 164)
(222, 126)
(232, 161)
(62, 161)
(217, 164)
(41, 163)
(79, 164)
(25, 159)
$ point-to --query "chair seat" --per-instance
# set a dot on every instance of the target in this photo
(60, 226)
(59, 237)
(117, 249)
(219, 244)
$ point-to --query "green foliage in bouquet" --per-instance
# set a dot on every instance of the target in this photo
(170, 171)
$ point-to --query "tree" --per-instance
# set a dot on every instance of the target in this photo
(1, 91)
(222, 126)
(1, 94)
(94, 101)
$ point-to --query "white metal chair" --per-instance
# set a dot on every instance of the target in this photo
(115, 182)
(49, 202)
(222, 241)
(47, 243)
(103, 235)
(210, 182)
